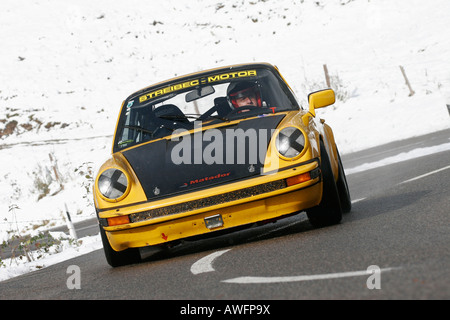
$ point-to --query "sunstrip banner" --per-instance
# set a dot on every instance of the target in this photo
(196, 82)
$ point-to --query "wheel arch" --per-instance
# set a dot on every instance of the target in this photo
(327, 138)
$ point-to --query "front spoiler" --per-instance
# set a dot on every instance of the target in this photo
(239, 215)
(248, 210)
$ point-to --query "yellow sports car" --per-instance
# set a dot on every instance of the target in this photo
(212, 151)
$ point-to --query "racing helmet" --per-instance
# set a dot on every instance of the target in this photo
(242, 90)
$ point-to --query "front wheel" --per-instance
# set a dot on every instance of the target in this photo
(118, 258)
(342, 186)
(329, 211)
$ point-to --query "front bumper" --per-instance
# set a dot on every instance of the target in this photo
(240, 203)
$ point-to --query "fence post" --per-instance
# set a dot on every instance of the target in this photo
(446, 96)
(327, 76)
(70, 226)
(411, 91)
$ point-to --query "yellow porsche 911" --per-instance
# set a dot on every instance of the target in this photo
(212, 151)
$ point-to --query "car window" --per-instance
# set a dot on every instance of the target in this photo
(212, 98)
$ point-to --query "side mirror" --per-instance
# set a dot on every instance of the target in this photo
(319, 99)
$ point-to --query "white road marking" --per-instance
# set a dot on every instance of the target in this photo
(426, 175)
(416, 153)
(250, 280)
(205, 264)
(358, 200)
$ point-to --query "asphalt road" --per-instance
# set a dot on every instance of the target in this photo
(397, 225)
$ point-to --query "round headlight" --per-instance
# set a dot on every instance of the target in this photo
(112, 184)
(290, 142)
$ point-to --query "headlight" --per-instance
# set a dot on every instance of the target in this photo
(290, 142)
(113, 184)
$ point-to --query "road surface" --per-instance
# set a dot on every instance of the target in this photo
(394, 244)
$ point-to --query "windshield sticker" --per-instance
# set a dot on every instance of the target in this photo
(196, 82)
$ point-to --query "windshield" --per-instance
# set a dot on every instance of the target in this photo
(212, 98)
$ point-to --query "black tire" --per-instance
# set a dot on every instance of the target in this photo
(115, 258)
(329, 211)
(342, 186)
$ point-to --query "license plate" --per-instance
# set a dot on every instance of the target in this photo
(214, 221)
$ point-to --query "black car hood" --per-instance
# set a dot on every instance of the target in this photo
(158, 169)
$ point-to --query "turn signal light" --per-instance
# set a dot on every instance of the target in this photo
(298, 179)
(118, 220)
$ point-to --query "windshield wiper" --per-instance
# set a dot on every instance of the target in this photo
(247, 114)
(192, 116)
(207, 116)
(218, 118)
(152, 133)
(177, 117)
(138, 128)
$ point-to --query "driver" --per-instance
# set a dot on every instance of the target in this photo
(245, 93)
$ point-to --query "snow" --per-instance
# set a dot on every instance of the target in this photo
(67, 66)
